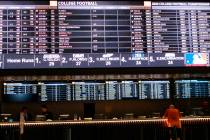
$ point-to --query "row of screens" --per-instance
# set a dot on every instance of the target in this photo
(108, 90)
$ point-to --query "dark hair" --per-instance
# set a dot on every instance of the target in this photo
(24, 108)
(44, 106)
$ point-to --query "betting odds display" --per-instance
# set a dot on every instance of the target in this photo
(97, 34)
(86, 90)
(105, 90)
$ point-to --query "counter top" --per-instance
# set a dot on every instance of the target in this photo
(185, 120)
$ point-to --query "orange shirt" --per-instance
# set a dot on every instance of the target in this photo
(173, 118)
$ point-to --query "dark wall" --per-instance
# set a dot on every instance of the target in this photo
(110, 109)
(35, 108)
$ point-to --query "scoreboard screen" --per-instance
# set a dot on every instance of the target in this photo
(192, 88)
(54, 91)
(98, 34)
(20, 92)
(154, 89)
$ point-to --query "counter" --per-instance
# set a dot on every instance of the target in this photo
(136, 129)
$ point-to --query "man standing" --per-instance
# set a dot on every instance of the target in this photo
(48, 115)
(25, 114)
(172, 115)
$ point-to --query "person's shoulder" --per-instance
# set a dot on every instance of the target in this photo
(176, 109)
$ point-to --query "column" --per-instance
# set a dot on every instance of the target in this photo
(2, 34)
(28, 31)
(111, 22)
(97, 28)
(14, 30)
(193, 16)
(203, 30)
(149, 35)
(124, 29)
(137, 30)
(74, 30)
(43, 33)
(183, 35)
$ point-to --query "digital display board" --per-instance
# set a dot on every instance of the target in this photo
(129, 90)
(20, 92)
(98, 34)
(54, 91)
(89, 91)
(112, 90)
(192, 88)
(104, 90)
(154, 90)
